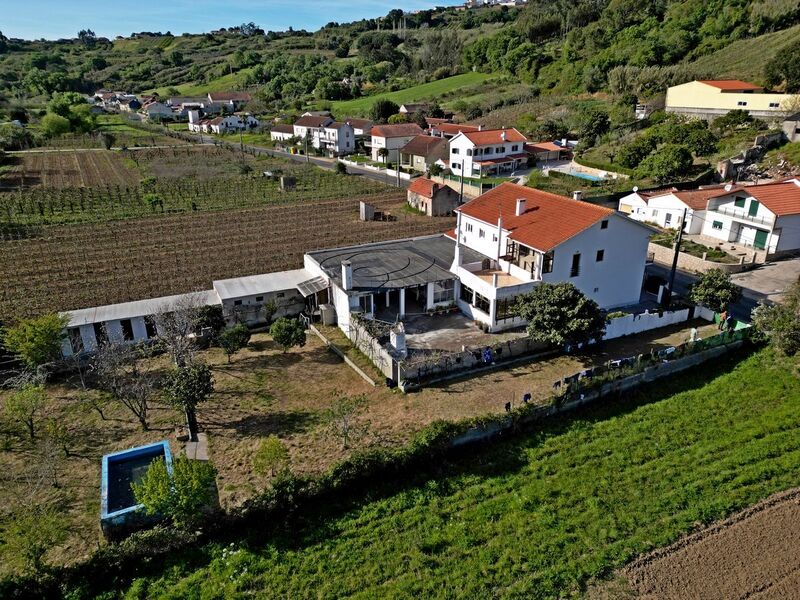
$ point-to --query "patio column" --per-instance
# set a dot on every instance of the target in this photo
(387, 298)
(429, 296)
(402, 312)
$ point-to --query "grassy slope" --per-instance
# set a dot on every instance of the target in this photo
(745, 59)
(426, 91)
(233, 81)
(539, 515)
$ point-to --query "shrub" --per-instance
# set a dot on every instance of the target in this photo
(234, 339)
(271, 456)
(29, 533)
(24, 406)
(780, 323)
(715, 290)
(178, 495)
(35, 341)
(288, 333)
(341, 168)
(670, 162)
(560, 314)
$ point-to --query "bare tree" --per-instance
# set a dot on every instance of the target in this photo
(177, 326)
(116, 368)
(343, 418)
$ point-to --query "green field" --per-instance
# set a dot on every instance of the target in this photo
(538, 515)
(425, 91)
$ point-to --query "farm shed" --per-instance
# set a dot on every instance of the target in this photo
(244, 298)
(125, 322)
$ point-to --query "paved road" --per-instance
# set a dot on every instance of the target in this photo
(323, 163)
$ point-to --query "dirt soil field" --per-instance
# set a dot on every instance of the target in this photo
(754, 554)
(80, 168)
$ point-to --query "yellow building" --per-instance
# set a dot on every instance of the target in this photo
(711, 98)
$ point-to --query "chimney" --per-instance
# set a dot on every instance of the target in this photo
(520, 207)
(480, 127)
(347, 275)
(577, 195)
(503, 135)
(564, 142)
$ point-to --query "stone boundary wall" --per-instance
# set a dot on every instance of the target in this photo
(339, 352)
(687, 262)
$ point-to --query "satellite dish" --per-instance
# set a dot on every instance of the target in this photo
(635, 188)
(728, 187)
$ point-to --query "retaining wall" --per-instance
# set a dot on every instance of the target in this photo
(687, 262)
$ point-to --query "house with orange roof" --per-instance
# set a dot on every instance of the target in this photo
(765, 217)
(710, 98)
(487, 152)
(525, 236)
(434, 199)
(393, 138)
(665, 207)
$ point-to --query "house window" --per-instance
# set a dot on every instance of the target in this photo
(575, 269)
(365, 303)
(127, 330)
(668, 218)
(481, 303)
(481, 233)
(499, 150)
(774, 105)
(469, 152)
(468, 227)
(150, 327)
(494, 238)
(455, 166)
(75, 340)
(488, 150)
(514, 148)
(600, 255)
(454, 150)
(547, 262)
(466, 294)
(741, 103)
(655, 213)
(739, 202)
(100, 334)
(604, 224)
(443, 291)
(237, 302)
(717, 225)
(505, 308)
(259, 298)
(280, 294)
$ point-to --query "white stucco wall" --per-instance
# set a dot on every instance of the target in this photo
(789, 234)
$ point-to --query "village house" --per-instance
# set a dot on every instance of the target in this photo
(765, 217)
(281, 133)
(707, 99)
(526, 236)
(422, 152)
(128, 105)
(335, 139)
(230, 101)
(434, 199)
(392, 137)
(310, 123)
(158, 111)
(361, 127)
(665, 207)
(487, 152)
(545, 152)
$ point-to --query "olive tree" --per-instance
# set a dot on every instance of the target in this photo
(24, 406)
(715, 290)
(271, 456)
(116, 370)
(35, 341)
(233, 339)
(288, 333)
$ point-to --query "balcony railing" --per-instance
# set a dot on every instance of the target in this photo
(741, 214)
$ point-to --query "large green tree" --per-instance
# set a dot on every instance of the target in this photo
(668, 162)
(35, 341)
(559, 314)
(784, 68)
(780, 323)
(715, 290)
(288, 333)
(186, 387)
(233, 339)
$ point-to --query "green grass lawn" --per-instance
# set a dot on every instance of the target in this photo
(537, 515)
(425, 91)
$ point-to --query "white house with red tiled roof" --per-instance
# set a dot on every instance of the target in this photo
(765, 217)
(527, 236)
(711, 98)
(487, 152)
(665, 207)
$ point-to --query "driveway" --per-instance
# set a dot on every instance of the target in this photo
(769, 282)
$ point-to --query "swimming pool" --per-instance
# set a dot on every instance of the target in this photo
(583, 175)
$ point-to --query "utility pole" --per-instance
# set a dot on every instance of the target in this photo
(667, 297)
(398, 169)
(461, 195)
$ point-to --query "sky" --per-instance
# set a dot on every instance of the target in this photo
(52, 19)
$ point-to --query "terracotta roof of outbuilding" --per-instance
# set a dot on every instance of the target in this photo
(454, 128)
(694, 199)
(544, 147)
(423, 145)
(397, 130)
(731, 85)
(282, 129)
(424, 187)
(781, 197)
(494, 136)
(548, 220)
(358, 123)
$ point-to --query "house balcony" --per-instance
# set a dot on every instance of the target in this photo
(491, 280)
(743, 215)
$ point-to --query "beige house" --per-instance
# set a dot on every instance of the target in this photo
(392, 137)
(791, 128)
(423, 151)
(434, 199)
(708, 99)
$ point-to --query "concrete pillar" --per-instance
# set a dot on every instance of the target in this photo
(387, 299)
(494, 280)
(402, 311)
(397, 338)
(429, 296)
(492, 311)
